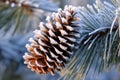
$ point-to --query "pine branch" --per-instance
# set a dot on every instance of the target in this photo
(22, 16)
(99, 43)
(32, 4)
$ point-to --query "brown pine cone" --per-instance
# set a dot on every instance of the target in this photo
(51, 47)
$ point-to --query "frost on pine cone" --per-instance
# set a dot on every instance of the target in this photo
(51, 47)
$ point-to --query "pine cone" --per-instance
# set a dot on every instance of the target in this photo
(51, 47)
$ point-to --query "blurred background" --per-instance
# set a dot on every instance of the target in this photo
(18, 19)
